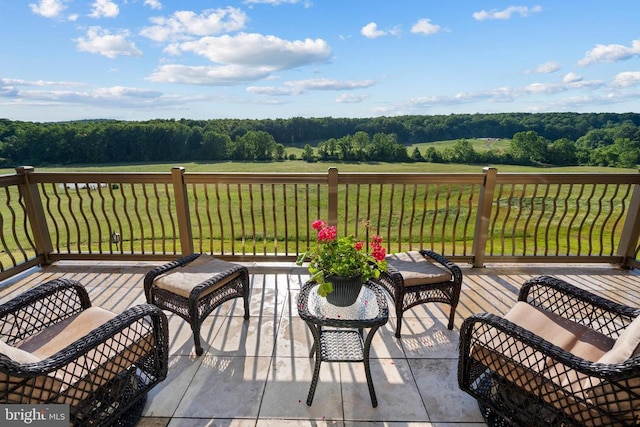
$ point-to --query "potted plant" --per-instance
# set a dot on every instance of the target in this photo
(342, 264)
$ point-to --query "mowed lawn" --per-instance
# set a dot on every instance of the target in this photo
(297, 166)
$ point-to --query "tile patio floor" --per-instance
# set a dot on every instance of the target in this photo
(257, 372)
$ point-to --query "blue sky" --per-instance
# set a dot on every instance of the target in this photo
(146, 59)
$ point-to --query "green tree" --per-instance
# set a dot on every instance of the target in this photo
(562, 152)
(215, 146)
(528, 147)
(307, 154)
(416, 156)
(461, 152)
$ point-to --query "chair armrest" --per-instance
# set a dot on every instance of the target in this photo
(442, 260)
(579, 305)
(41, 307)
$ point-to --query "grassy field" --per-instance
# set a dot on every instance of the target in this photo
(232, 218)
(301, 166)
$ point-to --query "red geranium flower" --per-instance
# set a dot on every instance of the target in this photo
(344, 256)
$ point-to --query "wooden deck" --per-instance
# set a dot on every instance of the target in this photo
(257, 372)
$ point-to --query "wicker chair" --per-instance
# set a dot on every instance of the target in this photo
(58, 349)
(195, 285)
(414, 278)
(562, 356)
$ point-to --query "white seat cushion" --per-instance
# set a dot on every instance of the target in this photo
(16, 354)
(416, 270)
(182, 280)
(58, 336)
(617, 400)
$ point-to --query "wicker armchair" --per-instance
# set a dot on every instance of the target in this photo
(562, 356)
(58, 349)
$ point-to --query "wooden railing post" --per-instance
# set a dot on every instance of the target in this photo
(631, 230)
(182, 210)
(35, 213)
(484, 214)
(332, 208)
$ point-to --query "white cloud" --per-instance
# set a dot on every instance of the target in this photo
(297, 87)
(506, 13)
(573, 103)
(424, 26)
(627, 78)
(544, 88)
(551, 88)
(273, 2)
(610, 53)
(329, 84)
(207, 75)
(257, 50)
(121, 91)
(546, 68)
(8, 91)
(153, 4)
(497, 95)
(571, 78)
(20, 82)
(185, 24)
(371, 31)
(351, 98)
(104, 9)
(118, 96)
(105, 43)
(48, 8)
(271, 90)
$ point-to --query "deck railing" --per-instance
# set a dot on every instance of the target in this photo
(468, 217)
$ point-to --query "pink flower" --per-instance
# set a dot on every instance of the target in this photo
(318, 224)
(376, 240)
(379, 253)
(359, 245)
(327, 234)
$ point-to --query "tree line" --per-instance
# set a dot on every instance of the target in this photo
(607, 139)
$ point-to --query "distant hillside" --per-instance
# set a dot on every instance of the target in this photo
(110, 141)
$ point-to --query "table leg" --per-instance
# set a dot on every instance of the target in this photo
(367, 367)
(315, 331)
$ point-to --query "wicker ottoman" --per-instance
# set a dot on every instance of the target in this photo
(418, 277)
(195, 285)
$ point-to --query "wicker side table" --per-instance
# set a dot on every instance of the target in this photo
(338, 332)
(195, 285)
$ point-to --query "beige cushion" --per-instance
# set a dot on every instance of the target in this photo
(573, 337)
(618, 401)
(416, 270)
(558, 385)
(182, 280)
(75, 381)
(502, 355)
(58, 336)
(626, 346)
(16, 354)
(45, 344)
